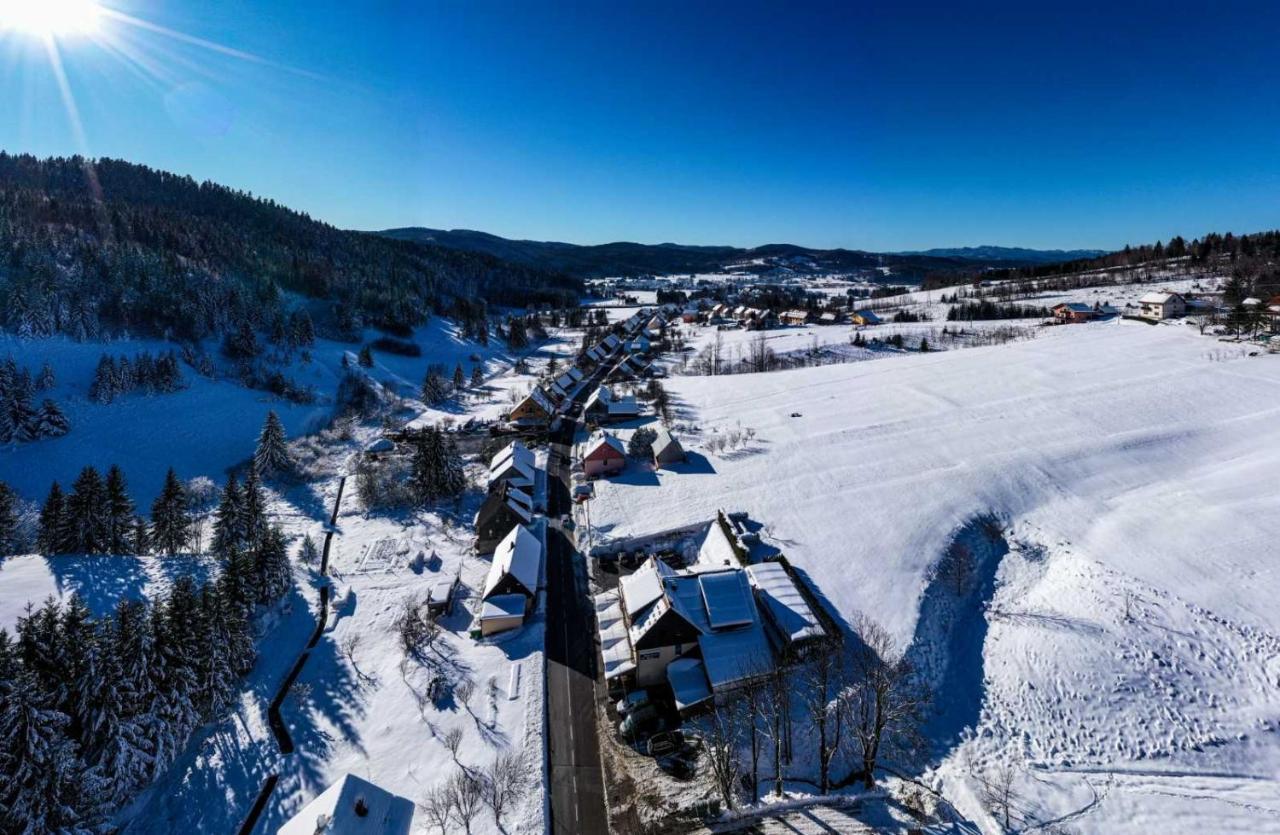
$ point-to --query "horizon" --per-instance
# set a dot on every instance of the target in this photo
(873, 130)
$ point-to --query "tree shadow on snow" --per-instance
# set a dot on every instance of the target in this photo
(100, 580)
(950, 635)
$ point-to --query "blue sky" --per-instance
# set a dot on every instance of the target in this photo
(857, 125)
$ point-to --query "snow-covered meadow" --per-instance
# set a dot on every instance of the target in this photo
(1131, 646)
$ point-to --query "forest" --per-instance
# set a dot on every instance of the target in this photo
(97, 248)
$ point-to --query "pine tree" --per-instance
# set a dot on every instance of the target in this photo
(104, 388)
(45, 380)
(272, 454)
(42, 779)
(272, 566)
(171, 516)
(308, 554)
(459, 381)
(18, 418)
(436, 468)
(8, 521)
(49, 540)
(119, 513)
(227, 531)
(84, 517)
(253, 523)
(433, 388)
(50, 421)
(477, 377)
(365, 358)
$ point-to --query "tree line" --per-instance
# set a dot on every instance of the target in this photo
(21, 420)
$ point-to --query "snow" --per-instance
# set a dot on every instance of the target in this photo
(727, 598)
(786, 605)
(1133, 467)
(688, 680)
(519, 554)
(335, 810)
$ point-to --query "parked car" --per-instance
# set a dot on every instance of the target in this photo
(631, 701)
(662, 744)
(642, 721)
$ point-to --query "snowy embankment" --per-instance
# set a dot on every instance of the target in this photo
(1135, 468)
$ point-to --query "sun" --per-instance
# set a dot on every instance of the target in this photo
(50, 18)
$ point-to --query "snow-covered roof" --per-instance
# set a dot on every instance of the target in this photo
(716, 548)
(1160, 297)
(1074, 307)
(868, 316)
(786, 604)
(615, 643)
(688, 680)
(663, 440)
(602, 439)
(337, 811)
(727, 597)
(610, 342)
(643, 587)
(516, 461)
(540, 398)
(518, 555)
(733, 655)
(502, 606)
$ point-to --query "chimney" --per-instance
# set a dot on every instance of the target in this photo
(362, 808)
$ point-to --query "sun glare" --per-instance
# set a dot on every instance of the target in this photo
(50, 18)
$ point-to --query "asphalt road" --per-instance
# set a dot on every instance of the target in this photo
(577, 779)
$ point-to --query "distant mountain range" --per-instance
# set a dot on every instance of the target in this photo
(1010, 255)
(626, 258)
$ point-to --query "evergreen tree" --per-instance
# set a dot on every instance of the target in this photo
(228, 518)
(271, 564)
(436, 468)
(49, 540)
(18, 418)
(171, 520)
(50, 421)
(434, 391)
(308, 554)
(459, 381)
(42, 780)
(45, 380)
(8, 521)
(119, 513)
(365, 358)
(84, 517)
(272, 454)
(477, 377)
(253, 523)
(104, 389)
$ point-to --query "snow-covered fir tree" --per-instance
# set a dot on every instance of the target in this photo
(434, 390)
(171, 520)
(272, 454)
(477, 377)
(50, 421)
(8, 521)
(228, 519)
(84, 516)
(119, 511)
(308, 553)
(49, 538)
(459, 381)
(436, 468)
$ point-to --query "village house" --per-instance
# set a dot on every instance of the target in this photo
(1073, 312)
(514, 465)
(502, 509)
(786, 611)
(639, 345)
(603, 455)
(830, 317)
(352, 806)
(603, 406)
(797, 316)
(511, 586)
(536, 409)
(864, 317)
(666, 449)
(1161, 305)
(707, 617)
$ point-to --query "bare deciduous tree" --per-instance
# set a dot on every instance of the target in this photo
(824, 697)
(467, 793)
(886, 700)
(999, 789)
(437, 807)
(723, 734)
(504, 782)
(453, 741)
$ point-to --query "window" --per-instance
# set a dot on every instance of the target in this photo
(650, 654)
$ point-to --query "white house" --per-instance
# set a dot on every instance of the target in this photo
(666, 449)
(605, 406)
(514, 464)
(1161, 305)
(352, 806)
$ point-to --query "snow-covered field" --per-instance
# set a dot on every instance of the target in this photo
(1129, 660)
